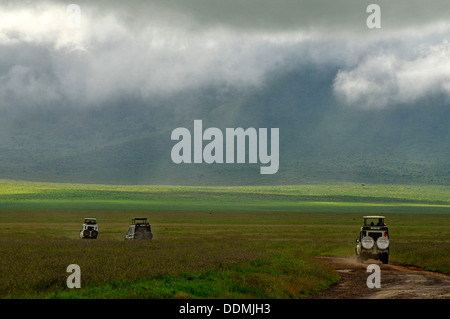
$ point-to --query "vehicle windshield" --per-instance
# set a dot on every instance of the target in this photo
(90, 221)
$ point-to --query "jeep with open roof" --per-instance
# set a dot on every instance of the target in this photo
(373, 241)
(139, 229)
(90, 229)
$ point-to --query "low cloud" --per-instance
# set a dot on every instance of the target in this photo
(143, 50)
(391, 79)
(106, 58)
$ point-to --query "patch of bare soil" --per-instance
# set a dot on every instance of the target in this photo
(397, 282)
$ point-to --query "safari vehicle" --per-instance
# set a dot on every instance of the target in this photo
(139, 229)
(90, 229)
(373, 242)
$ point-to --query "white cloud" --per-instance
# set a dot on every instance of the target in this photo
(106, 57)
(385, 79)
(109, 56)
(42, 23)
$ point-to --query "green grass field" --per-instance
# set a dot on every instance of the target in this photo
(209, 242)
(327, 198)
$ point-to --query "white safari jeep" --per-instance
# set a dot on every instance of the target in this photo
(90, 228)
(373, 242)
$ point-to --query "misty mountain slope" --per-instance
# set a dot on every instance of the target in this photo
(93, 95)
(128, 141)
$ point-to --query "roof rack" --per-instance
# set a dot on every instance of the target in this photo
(89, 220)
(139, 220)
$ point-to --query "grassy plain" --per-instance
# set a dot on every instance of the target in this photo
(219, 242)
(332, 198)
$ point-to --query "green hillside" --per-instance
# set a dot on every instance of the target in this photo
(128, 141)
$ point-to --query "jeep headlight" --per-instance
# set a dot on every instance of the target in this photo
(367, 242)
(383, 243)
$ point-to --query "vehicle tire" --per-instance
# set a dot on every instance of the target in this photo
(94, 233)
(86, 233)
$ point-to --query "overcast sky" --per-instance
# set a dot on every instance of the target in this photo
(144, 48)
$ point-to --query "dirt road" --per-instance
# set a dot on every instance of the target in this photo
(397, 282)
